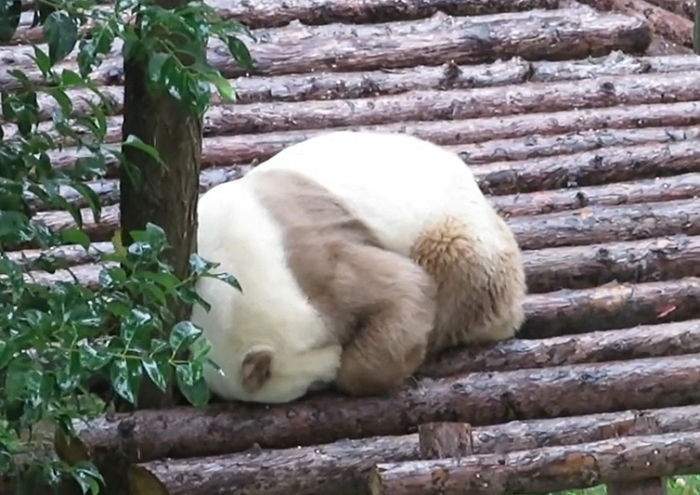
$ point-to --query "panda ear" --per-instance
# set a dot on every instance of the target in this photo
(255, 369)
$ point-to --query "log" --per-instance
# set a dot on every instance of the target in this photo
(544, 470)
(426, 105)
(611, 306)
(341, 468)
(478, 399)
(681, 7)
(595, 224)
(652, 486)
(665, 339)
(672, 188)
(672, 26)
(445, 439)
(344, 85)
(269, 13)
(614, 164)
(580, 267)
(548, 34)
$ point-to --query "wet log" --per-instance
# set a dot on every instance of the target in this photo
(676, 187)
(665, 339)
(580, 267)
(269, 13)
(610, 306)
(595, 224)
(478, 399)
(544, 470)
(672, 26)
(614, 164)
(341, 468)
(682, 7)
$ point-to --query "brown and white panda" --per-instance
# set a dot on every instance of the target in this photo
(359, 254)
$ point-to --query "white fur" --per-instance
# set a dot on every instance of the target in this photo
(397, 184)
(271, 312)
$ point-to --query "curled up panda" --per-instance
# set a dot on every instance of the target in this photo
(359, 254)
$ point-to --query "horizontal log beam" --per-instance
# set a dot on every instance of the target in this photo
(345, 85)
(342, 467)
(426, 105)
(665, 339)
(544, 470)
(672, 188)
(477, 398)
(596, 224)
(682, 7)
(580, 267)
(558, 34)
(610, 306)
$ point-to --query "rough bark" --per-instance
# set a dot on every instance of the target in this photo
(343, 85)
(558, 34)
(580, 267)
(676, 187)
(454, 104)
(665, 339)
(166, 193)
(341, 468)
(269, 13)
(610, 306)
(653, 486)
(544, 470)
(478, 399)
(674, 27)
(614, 164)
(445, 439)
(682, 7)
(595, 224)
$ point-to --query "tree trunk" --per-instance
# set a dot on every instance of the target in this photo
(167, 193)
(543, 470)
(477, 398)
(342, 467)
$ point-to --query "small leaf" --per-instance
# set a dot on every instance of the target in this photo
(71, 78)
(136, 142)
(125, 377)
(75, 236)
(240, 52)
(157, 371)
(229, 279)
(88, 477)
(42, 60)
(190, 380)
(61, 33)
(183, 334)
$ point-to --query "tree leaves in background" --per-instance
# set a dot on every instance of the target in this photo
(10, 12)
(61, 33)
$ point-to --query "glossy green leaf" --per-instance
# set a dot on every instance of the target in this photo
(61, 33)
(157, 371)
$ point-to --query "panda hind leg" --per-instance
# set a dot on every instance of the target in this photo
(395, 314)
(480, 282)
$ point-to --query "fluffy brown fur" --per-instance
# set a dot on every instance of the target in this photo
(377, 304)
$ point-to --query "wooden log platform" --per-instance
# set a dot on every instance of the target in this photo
(581, 122)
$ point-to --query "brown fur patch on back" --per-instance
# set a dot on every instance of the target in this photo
(480, 286)
(377, 304)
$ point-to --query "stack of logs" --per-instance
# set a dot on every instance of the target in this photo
(596, 164)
